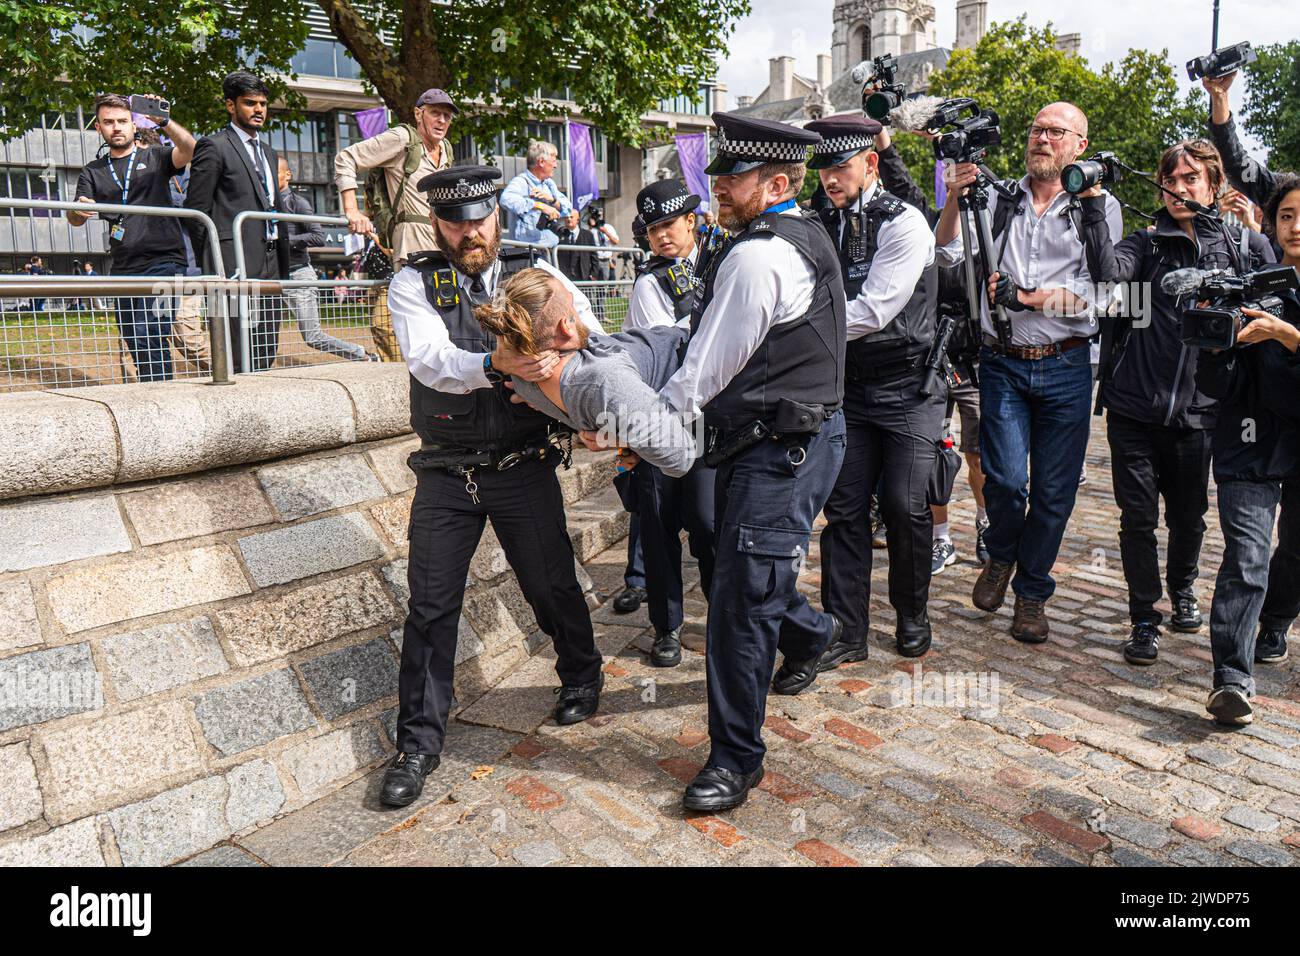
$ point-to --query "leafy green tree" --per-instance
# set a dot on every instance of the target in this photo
(617, 58)
(1271, 110)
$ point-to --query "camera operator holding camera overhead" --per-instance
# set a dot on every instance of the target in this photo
(534, 199)
(1256, 449)
(1036, 377)
(1158, 424)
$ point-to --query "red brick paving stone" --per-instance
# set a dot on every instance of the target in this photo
(909, 667)
(853, 733)
(535, 795)
(691, 738)
(613, 670)
(602, 720)
(854, 686)
(783, 788)
(1290, 708)
(1199, 654)
(683, 770)
(1015, 777)
(1091, 678)
(528, 748)
(1196, 828)
(717, 830)
(823, 854)
(783, 728)
(1084, 840)
(1056, 744)
(1292, 839)
(990, 796)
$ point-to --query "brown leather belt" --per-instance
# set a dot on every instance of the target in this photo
(1033, 353)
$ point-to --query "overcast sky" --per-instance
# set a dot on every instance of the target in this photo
(802, 29)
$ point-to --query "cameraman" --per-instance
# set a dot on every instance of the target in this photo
(1035, 392)
(1158, 425)
(1254, 179)
(534, 199)
(1256, 449)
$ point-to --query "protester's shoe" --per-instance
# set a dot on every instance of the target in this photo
(981, 549)
(942, 555)
(404, 779)
(991, 586)
(912, 637)
(878, 538)
(578, 701)
(1029, 622)
(1229, 707)
(1186, 618)
(1143, 644)
(715, 788)
(666, 651)
(629, 600)
(1270, 646)
(840, 651)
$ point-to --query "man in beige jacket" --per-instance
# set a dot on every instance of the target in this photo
(412, 231)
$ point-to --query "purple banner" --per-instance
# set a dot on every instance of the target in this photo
(372, 122)
(940, 187)
(582, 159)
(693, 154)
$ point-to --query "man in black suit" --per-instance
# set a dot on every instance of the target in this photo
(578, 266)
(233, 170)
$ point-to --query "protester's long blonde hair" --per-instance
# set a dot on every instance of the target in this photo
(518, 312)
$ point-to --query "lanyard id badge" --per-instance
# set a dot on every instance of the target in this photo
(118, 232)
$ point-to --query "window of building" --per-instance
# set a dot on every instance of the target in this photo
(26, 182)
(315, 59)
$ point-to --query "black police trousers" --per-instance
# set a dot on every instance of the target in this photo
(893, 435)
(1150, 462)
(666, 506)
(526, 508)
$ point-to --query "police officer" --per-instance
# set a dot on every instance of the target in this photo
(662, 295)
(481, 456)
(886, 252)
(764, 368)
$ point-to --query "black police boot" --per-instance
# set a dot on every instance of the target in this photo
(716, 789)
(912, 637)
(1143, 644)
(404, 779)
(1270, 645)
(840, 651)
(667, 648)
(795, 677)
(1186, 618)
(578, 701)
(629, 600)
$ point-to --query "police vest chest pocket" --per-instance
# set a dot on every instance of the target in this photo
(433, 402)
(777, 558)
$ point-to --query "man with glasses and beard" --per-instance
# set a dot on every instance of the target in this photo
(481, 456)
(1035, 392)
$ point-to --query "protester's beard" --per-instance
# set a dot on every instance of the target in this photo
(1044, 168)
(472, 255)
(738, 216)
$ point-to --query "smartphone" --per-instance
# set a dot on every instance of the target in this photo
(150, 106)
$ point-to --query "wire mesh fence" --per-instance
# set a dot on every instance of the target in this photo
(609, 300)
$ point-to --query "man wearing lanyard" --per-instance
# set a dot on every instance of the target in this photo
(234, 171)
(140, 245)
(765, 369)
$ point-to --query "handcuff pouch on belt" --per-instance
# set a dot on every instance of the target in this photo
(792, 423)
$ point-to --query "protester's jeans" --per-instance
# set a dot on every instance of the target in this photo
(1282, 603)
(145, 324)
(1246, 513)
(1034, 417)
(306, 310)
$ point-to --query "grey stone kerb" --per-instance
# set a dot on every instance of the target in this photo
(106, 434)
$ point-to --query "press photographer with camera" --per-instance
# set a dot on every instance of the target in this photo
(1253, 178)
(1256, 449)
(1035, 376)
(1157, 423)
(533, 198)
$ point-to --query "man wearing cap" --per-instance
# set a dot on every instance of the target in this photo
(481, 456)
(662, 296)
(405, 154)
(886, 252)
(765, 369)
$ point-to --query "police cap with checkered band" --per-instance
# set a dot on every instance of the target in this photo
(745, 143)
(460, 193)
(665, 199)
(843, 137)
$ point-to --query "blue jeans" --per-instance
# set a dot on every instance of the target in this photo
(1246, 513)
(1034, 417)
(145, 324)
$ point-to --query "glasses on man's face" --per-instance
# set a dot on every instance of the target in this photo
(1054, 134)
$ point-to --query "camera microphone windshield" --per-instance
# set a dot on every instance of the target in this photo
(1182, 282)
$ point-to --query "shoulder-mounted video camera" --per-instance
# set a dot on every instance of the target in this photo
(1216, 326)
(881, 92)
(970, 138)
(1221, 62)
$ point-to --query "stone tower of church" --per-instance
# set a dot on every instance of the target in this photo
(864, 29)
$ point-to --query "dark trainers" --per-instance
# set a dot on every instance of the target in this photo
(667, 648)
(1029, 623)
(1229, 706)
(1143, 644)
(1270, 646)
(942, 555)
(578, 701)
(840, 651)
(1186, 618)
(991, 586)
(981, 550)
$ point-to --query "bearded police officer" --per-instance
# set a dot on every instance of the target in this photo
(764, 368)
(663, 295)
(481, 456)
(886, 252)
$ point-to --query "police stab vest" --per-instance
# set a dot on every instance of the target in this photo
(677, 280)
(482, 419)
(801, 360)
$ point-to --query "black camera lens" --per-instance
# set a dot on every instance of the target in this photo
(878, 104)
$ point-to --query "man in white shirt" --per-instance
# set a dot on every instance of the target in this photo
(481, 457)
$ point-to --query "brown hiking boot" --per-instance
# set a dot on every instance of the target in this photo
(1029, 623)
(991, 587)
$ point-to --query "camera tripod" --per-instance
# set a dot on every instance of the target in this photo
(973, 206)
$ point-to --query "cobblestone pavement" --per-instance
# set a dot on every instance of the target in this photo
(1084, 760)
